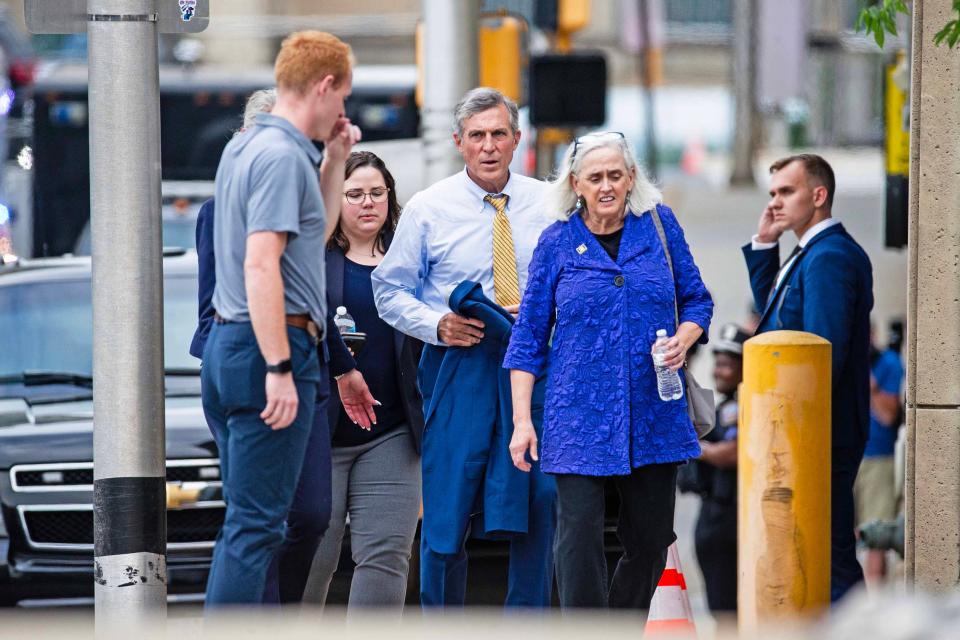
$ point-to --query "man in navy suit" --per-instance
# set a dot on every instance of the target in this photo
(825, 287)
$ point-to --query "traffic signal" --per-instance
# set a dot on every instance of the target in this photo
(545, 15)
(897, 155)
(568, 90)
(572, 15)
(501, 55)
(501, 59)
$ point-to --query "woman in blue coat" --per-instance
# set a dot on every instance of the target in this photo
(599, 282)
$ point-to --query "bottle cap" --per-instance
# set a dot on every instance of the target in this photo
(341, 311)
(661, 333)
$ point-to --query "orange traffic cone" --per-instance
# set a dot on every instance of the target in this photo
(670, 612)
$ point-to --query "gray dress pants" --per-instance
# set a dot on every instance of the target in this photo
(378, 486)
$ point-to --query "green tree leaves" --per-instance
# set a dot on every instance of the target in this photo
(879, 18)
(951, 32)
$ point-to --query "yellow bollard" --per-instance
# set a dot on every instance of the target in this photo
(784, 479)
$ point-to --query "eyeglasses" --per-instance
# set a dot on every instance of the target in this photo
(356, 196)
(616, 135)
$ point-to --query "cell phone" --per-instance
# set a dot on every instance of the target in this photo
(355, 341)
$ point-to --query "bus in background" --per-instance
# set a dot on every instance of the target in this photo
(200, 109)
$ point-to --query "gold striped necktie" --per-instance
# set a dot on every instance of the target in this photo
(506, 282)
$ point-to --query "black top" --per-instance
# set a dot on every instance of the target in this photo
(377, 361)
(610, 242)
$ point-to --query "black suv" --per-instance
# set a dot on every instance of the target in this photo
(46, 432)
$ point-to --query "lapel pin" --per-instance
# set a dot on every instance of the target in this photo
(582, 249)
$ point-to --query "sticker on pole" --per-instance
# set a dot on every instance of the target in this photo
(71, 16)
(187, 9)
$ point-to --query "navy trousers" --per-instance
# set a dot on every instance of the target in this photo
(845, 570)
(260, 467)
(309, 514)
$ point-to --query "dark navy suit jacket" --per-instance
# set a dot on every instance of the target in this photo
(827, 291)
(206, 278)
(455, 383)
(340, 358)
(407, 351)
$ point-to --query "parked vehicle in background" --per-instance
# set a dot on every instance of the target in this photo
(200, 109)
(46, 433)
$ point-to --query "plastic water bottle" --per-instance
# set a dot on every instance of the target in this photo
(344, 321)
(668, 382)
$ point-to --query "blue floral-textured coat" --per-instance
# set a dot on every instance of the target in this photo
(603, 415)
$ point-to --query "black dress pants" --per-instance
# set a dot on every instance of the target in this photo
(645, 529)
(716, 545)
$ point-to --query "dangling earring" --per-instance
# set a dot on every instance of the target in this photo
(579, 201)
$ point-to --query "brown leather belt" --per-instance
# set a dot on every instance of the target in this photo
(300, 321)
(303, 321)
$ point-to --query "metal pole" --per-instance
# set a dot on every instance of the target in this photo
(783, 474)
(646, 68)
(450, 62)
(745, 140)
(128, 437)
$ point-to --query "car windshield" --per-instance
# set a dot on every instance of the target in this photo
(48, 326)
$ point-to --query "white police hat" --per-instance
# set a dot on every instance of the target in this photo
(731, 340)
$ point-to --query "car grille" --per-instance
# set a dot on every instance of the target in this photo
(71, 526)
(66, 477)
(78, 476)
(193, 525)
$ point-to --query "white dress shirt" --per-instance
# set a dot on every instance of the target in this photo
(823, 225)
(445, 236)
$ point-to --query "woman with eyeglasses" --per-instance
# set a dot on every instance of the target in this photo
(601, 285)
(376, 471)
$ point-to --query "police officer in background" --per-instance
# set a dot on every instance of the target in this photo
(714, 477)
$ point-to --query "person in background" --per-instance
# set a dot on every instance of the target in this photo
(714, 476)
(824, 287)
(376, 470)
(875, 488)
(260, 101)
(600, 285)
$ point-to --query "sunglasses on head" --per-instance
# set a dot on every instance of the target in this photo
(577, 142)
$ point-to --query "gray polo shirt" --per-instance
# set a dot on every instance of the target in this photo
(267, 181)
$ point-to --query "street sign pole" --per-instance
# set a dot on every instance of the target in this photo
(129, 485)
(450, 61)
(129, 505)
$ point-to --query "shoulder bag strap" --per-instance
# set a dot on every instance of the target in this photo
(666, 251)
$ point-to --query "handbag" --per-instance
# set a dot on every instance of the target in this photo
(700, 401)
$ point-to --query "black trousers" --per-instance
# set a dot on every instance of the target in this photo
(716, 544)
(845, 569)
(645, 529)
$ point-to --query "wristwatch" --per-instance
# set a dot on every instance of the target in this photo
(284, 366)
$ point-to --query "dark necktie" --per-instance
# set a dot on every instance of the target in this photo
(786, 263)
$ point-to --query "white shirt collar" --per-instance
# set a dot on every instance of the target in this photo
(480, 192)
(823, 225)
